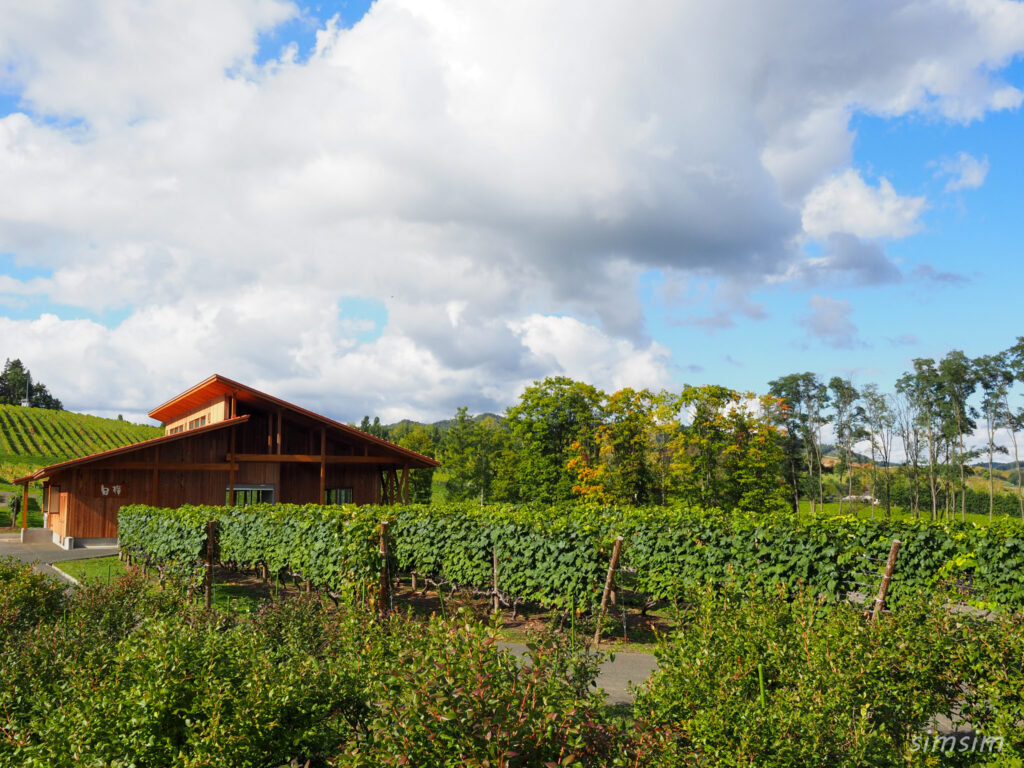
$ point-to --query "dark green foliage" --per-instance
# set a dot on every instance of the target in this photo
(423, 440)
(839, 690)
(132, 675)
(26, 596)
(558, 556)
(448, 697)
(550, 416)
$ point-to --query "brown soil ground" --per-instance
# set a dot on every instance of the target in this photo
(640, 629)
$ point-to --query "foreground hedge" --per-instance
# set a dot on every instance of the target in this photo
(558, 557)
(838, 690)
(125, 674)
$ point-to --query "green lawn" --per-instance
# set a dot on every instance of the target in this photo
(865, 512)
(102, 569)
(35, 512)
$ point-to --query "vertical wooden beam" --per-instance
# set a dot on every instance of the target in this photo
(323, 465)
(155, 499)
(384, 593)
(211, 532)
(280, 418)
(24, 505)
(234, 406)
(231, 469)
(612, 567)
(883, 589)
(405, 484)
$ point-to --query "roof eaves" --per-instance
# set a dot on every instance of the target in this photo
(153, 441)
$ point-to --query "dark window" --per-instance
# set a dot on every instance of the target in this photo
(338, 496)
(247, 495)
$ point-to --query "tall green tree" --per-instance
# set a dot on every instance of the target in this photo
(848, 425)
(880, 420)
(995, 378)
(618, 464)
(374, 427)
(16, 385)
(730, 455)
(957, 381)
(468, 453)
(550, 416)
(422, 439)
(921, 389)
(908, 426)
(1014, 417)
(804, 400)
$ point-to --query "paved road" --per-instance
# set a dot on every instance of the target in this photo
(42, 553)
(616, 674)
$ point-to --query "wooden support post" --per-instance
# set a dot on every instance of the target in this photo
(24, 506)
(231, 462)
(211, 532)
(884, 588)
(494, 568)
(280, 417)
(384, 595)
(612, 567)
(323, 465)
(155, 498)
(405, 484)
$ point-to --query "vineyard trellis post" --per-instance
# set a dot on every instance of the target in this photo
(612, 567)
(494, 565)
(883, 588)
(211, 532)
(384, 596)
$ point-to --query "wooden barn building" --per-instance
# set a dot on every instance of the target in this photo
(224, 443)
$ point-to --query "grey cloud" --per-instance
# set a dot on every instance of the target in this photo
(928, 272)
(829, 322)
(849, 261)
(904, 340)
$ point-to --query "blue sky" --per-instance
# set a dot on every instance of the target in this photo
(405, 208)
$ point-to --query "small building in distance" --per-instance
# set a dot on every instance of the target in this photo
(224, 443)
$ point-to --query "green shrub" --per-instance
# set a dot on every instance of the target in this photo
(26, 598)
(838, 690)
(449, 697)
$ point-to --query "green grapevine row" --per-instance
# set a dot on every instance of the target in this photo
(558, 557)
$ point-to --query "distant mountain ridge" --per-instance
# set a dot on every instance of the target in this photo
(443, 425)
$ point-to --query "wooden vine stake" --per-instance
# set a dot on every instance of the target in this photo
(211, 529)
(612, 566)
(383, 597)
(884, 588)
(494, 566)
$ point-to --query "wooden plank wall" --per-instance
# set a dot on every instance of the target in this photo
(215, 410)
(91, 515)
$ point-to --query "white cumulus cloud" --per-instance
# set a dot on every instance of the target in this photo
(845, 203)
(496, 176)
(964, 171)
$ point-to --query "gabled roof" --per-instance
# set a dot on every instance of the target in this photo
(130, 448)
(218, 386)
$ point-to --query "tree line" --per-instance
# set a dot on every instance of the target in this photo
(711, 446)
(17, 387)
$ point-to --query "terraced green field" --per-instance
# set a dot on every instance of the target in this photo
(40, 436)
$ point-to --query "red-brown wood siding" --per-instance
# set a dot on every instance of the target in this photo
(90, 515)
